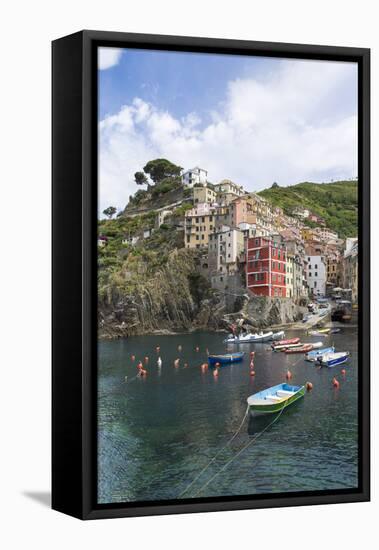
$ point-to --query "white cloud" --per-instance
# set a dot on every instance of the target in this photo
(290, 127)
(108, 57)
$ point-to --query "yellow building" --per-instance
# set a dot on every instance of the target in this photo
(311, 234)
(203, 194)
(198, 224)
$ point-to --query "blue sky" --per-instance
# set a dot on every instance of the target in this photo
(174, 81)
(251, 119)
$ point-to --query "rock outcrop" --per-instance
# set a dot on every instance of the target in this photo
(179, 299)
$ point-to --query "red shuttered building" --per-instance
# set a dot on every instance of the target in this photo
(266, 267)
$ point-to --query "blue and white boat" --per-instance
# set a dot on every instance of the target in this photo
(333, 359)
(225, 358)
(314, 354)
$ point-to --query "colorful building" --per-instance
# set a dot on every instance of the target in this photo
(227, 191)
(203, 193)
(199, 223)
(242, 211)
(266, 267)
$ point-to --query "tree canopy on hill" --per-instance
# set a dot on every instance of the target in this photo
(336, 203)
(160, 169)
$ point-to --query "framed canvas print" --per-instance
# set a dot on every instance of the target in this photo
(210, 274)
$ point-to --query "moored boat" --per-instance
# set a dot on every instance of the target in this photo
(314, 354)
(305, 348)
(249, 338)
(225, 358)
(288, 346)
(283, 343)
(274, 399)
(333, 359)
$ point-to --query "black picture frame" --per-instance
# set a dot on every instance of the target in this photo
(74, 294)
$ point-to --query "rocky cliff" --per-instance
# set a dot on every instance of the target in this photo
(178, 299)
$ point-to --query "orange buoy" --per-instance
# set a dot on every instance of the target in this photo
(288, 375)
(335, 383)
(309, 386)
(133, 357)
(343, 372)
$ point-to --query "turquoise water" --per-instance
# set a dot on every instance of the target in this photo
(156, 434)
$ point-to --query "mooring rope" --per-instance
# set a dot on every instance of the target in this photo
(217, 454)
(241, 451)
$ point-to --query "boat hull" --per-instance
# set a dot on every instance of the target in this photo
(225, 359)
(314, 355)
(269, 407)
(303, 349)
(334, 362)
(253, 339)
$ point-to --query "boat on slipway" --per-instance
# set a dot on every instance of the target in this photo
(314, 354)
(226, 358)
(249, 338)
(333, 359)
(274, 399)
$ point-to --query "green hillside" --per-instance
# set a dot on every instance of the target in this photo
(336, 203)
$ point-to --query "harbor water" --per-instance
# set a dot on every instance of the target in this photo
(155, 434)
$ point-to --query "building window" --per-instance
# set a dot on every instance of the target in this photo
(315, 266)
(315, 273)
